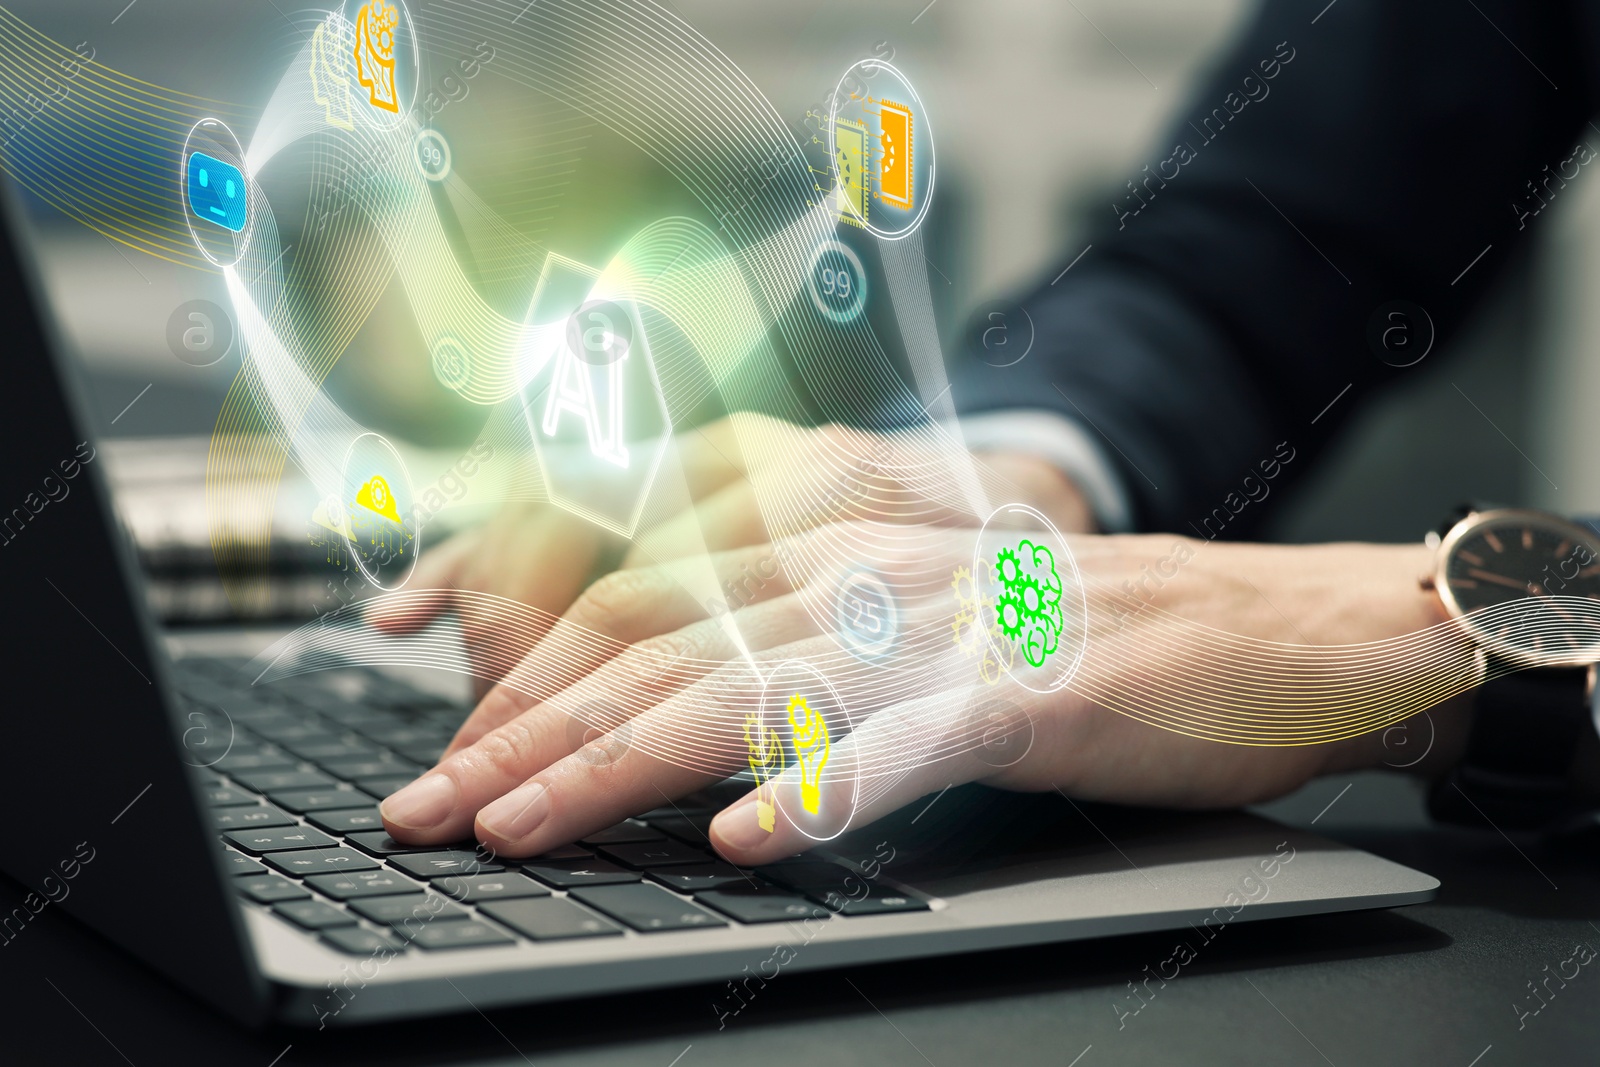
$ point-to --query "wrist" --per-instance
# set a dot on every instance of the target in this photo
(1430, 742)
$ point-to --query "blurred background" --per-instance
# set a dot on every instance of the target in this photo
(1040, 111)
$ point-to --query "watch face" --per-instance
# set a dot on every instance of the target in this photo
(1517, 555)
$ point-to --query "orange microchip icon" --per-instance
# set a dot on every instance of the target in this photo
(894, 163)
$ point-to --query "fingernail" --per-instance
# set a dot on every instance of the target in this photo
(423, 804)
(740, 827)
(518, 813)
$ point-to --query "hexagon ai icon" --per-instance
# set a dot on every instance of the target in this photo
(596, 413)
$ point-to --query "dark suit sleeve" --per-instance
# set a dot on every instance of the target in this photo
(1322, 171)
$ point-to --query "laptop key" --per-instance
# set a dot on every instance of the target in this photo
(291, 733)
(278, 839)
(304, 800)
(676, 810)
(274, 780)
(646, 908)
(441, 864)
(382, 787)
(223, 796)
(701, 876)
(424, 752)
(314, 914)
(358, 885)
(468, 934)
(400, 732)
(549, 919)
(655, 854)
(695, 829)
(354, 716)
(564, 874)
(320, 861)
(806, 875)
(244, 818)
(418, 909)
(342, 748)
(760, 904)
(482, 888)
(359, 941)
(238, 864)
(880, 900)
(625, 832)
(270, 889)
(236, 763)
(565, 852)
(356, 770)
(380, 843)
(347, 820)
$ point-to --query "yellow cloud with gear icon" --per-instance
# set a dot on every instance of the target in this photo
(375, 497)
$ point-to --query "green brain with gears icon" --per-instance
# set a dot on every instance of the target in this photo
(1029, 605)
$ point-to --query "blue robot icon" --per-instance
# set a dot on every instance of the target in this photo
(217, 192)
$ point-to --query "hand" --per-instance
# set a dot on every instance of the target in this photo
(738, 467)
(511, 555)
(638, 657)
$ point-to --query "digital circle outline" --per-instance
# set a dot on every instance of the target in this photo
(614, 352)
(839, 315)
(983, 700)
(367, 110)
(833, 150)
(893, 612)
(855, 785)
(1080, 616)
(193, 306)
(416, 537)
(233, 734)
(1407, 306)
(242, 239)
(452, 345)
(1033, 335)
(428, 133)
(1433, 735)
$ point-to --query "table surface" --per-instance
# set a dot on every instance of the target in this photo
(1438, 983)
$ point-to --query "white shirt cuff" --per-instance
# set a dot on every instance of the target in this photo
(1066, 444)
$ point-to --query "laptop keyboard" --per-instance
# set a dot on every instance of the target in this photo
(292, 776)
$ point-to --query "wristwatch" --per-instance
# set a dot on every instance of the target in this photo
(1527, 725)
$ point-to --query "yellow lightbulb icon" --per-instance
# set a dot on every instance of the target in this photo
(810, 748)
(766, 760)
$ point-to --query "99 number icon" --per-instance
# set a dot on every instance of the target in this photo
(432, 153)
(837, 281)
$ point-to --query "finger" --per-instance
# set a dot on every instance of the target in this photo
(710, 455)
(440, 806)
(679, 742)
(666, 714)
(918, 747)
(685, 743)
(508, 738)
(618, 609)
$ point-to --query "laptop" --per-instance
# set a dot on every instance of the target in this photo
(255, 873)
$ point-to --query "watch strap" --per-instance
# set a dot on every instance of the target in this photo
(1525, 731)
